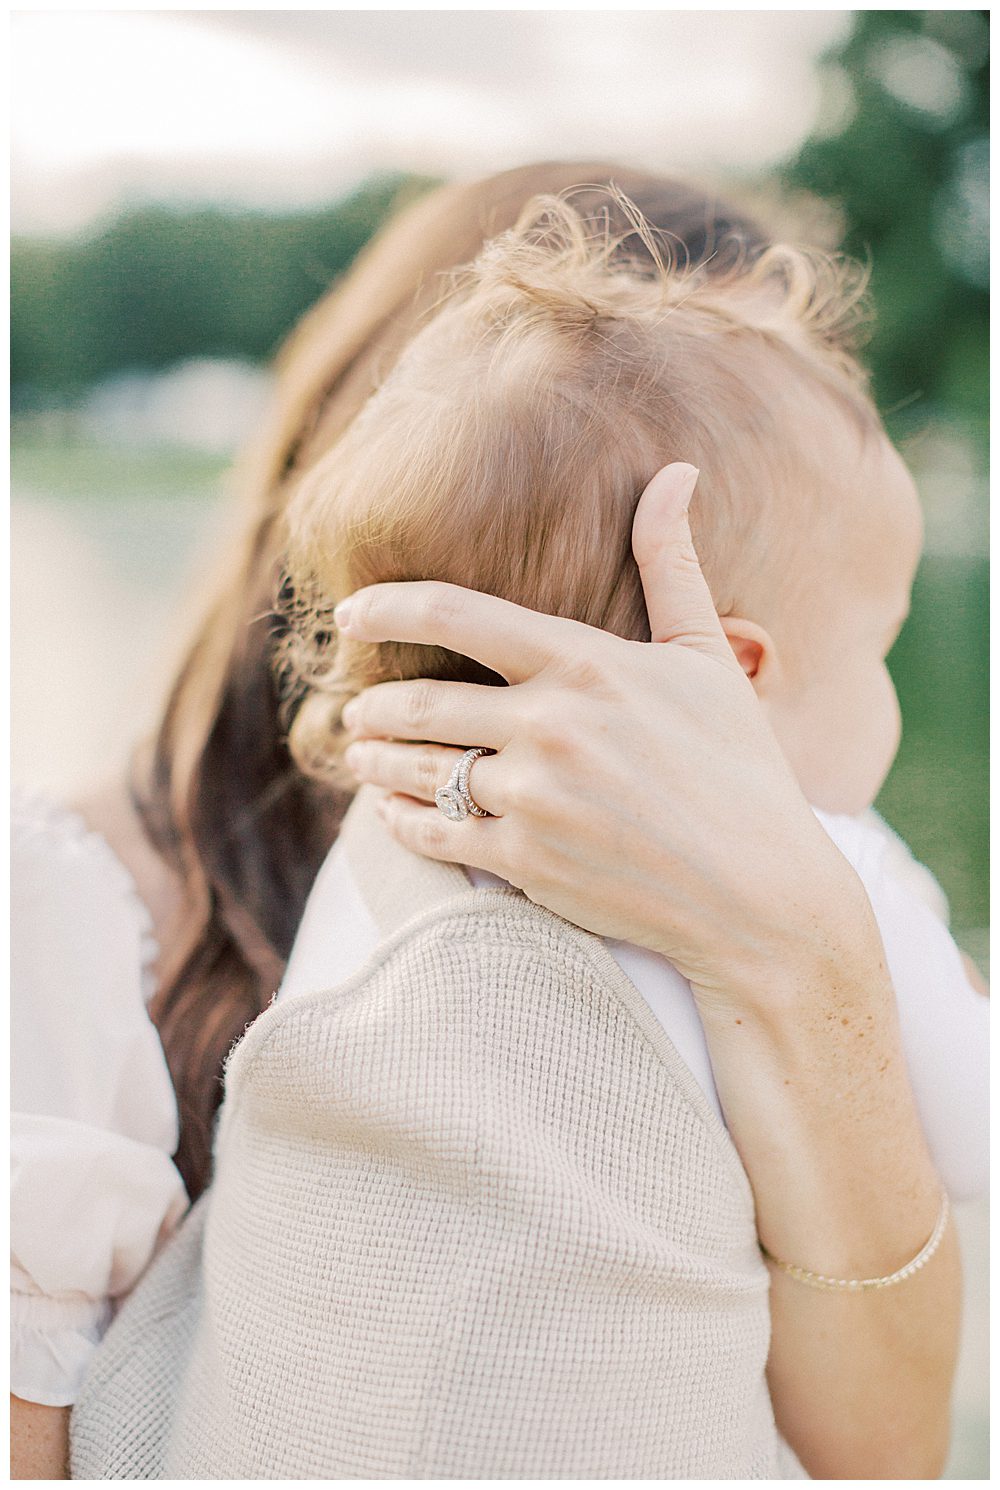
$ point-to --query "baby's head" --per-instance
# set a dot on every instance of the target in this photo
(507, 448)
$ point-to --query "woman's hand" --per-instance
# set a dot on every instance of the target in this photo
(637, 789)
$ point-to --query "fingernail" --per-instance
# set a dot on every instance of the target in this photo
(342, 615)
(688, 481)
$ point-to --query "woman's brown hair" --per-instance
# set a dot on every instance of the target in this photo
(218, 792)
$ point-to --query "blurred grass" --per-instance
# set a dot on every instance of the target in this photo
(92, 471)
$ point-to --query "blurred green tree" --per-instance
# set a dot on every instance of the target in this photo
(157, 284)
(902, 149)
(904, 152)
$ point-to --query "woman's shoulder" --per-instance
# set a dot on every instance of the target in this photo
(69, 887)
(94, 1116)
(83, 956)
(109, 812)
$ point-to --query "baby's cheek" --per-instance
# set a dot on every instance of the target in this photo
(855, 734)
(891, 731)
(877, 729)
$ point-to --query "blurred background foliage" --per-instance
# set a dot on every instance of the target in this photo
(908, 167)
(901, 150)
(159, 284)
(898, 155)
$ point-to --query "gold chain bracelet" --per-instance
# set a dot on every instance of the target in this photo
(819, 1280)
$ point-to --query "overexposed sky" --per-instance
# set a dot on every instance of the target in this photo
(290, 108)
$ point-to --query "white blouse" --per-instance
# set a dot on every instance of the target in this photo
(94, 1119)
(94, 1191)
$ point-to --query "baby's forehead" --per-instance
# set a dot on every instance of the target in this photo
(844, 515)
(892, 517)
(879, 525)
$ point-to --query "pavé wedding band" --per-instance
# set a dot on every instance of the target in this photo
(455, 800)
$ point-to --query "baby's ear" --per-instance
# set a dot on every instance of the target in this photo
(754, 650)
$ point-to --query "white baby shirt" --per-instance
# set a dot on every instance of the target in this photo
(94, 1190)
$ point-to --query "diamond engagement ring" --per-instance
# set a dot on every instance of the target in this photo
(455, 800)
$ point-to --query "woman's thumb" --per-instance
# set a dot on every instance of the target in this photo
(678, 600)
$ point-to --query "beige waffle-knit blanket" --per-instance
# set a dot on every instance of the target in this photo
(472, 1217)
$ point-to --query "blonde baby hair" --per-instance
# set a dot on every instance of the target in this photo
(507, 448)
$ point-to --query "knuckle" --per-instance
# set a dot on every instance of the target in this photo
(418, 706)
(440, 606)
(525, 789)
(390, 813)
(518, 853)
(537, 720)
(687, 556)
(514, 790)
(429, 773)
(585, 673)
(431, 839)
(548, 727)
(380, 759)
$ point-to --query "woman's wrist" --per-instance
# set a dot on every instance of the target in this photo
(816, 1095)
(811, 930)
(813, 1081)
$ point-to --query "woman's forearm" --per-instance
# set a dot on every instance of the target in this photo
(39, 1441)
(813, 1083)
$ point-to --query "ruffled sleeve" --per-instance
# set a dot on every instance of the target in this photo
(94, 1191)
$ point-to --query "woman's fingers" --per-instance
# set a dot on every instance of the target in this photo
(461, 714)
(415, 770)
(678, 600)
(509, 639)
(418, 770)
(427, 831)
